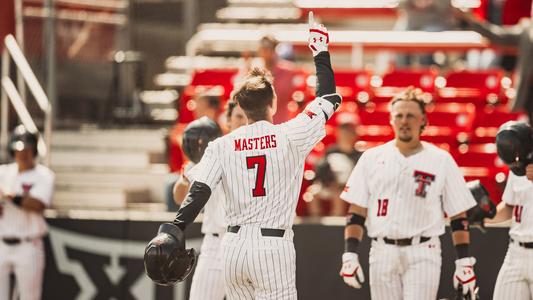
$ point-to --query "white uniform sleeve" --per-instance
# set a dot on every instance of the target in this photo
(190, 171)
(209, 169)
(308, 128)
(456, 197)
(43, 188)
(515, 186)
(508, 194)
(356, 190)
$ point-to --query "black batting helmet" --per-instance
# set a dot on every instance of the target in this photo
(21, 139)
(514, 143)
(197, 135)
(166, 260)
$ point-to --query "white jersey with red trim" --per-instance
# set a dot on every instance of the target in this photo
(261, 167)
(407, 196)
(214, 216)
(519, 194)
(38, 183)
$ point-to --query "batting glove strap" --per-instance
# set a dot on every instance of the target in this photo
(351, 270)
(465, 276)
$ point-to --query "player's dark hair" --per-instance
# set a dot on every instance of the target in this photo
(213, 101)
(255, 94)
(230, 107)
(411, 94)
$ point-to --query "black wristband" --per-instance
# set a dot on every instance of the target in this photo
(17, 200)
(460, 224)
(351, 245)
(355, 219)
(462, 250)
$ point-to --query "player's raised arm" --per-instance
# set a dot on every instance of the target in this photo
(318, 43)
(325, 86)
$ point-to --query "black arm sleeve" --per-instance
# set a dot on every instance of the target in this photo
(195, 200)
(324, 74)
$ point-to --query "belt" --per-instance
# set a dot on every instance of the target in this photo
(521, 244)
(12, 241)
(264, 231)
(403, 242)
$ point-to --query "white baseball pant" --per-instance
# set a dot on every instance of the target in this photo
(405, 272)
(208, 279)
(26, 260)
(259, 267)
(515, 279)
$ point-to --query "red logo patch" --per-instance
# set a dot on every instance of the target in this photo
(309, 113)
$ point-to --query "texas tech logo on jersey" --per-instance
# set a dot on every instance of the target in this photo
(423, 179)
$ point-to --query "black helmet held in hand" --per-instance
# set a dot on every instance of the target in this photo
(166, 260)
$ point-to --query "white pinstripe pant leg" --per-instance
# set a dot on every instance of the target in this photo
(237, 284)
(208, 279)
(422, 270)
(29, 267)
(273, 268)
(512, 282)
(385, 272)
(5, 269)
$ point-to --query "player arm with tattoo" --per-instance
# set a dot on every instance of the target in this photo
(352, 272)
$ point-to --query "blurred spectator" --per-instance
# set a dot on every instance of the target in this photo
(282, 71)
(332, 172)
(518, 36)
(423, 15)
(26, 189)
(204, 105)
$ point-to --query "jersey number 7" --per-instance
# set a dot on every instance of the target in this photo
(259, 161)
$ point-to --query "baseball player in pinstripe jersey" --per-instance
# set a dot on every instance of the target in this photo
(400, 191)
(25, 190)
(208, 279)
(515, 279)
(260, 166)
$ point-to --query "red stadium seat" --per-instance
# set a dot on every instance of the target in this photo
(396, 81)
(482, 162)
(217, 81)
(477, 87)
(488, 121)
(449, 123)
(354, 85)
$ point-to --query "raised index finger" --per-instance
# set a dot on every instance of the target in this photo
(311, 19)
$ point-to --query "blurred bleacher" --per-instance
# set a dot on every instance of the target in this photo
(120, 168)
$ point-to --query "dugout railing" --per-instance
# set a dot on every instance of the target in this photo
(10, 92)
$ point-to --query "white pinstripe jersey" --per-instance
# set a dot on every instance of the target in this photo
(519, 193)
(214, 218)
(261, 167)
(407, 196)
(39, 183)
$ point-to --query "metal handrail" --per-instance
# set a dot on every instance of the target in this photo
(12, 49)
